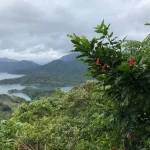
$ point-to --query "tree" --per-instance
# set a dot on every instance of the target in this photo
(123, 69)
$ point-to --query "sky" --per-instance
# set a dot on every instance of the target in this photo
(36, 29)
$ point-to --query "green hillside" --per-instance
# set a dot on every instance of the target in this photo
(34, 93)
(55, 67)
(56, 73)
(8, 104)
(12, 67)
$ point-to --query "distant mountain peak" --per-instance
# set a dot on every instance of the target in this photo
(5, 59)
(69, 57)
(12, 66)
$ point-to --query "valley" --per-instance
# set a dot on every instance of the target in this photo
(23, 81)
(65, 72)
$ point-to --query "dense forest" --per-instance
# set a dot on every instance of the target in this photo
(71, 120)
(54, 80)
(8, 104)
(109, 113)
(34, 93)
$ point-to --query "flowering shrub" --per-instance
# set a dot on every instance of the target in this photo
(122, 68)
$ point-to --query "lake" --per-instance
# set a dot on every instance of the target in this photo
(4, 88)
(9, 76)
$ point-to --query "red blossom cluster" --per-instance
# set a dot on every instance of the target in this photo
(129, 137)
(103, 67)
(113, 148)
(131, 62)
(97, 62)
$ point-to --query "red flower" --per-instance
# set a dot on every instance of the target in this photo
(113, 148)
(129, 137)
(96, 47)
(83, 148)
(131, 62)
(103, 67)
(97, 62)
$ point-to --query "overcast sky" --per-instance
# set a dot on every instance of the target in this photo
(36, 29)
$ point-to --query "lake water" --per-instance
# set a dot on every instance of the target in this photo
(8, 76)
(4, 88)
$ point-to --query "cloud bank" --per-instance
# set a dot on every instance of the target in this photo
(36, 30)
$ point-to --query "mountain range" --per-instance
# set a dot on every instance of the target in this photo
(70, 57)
(65, 70)
(5, 59)
(24, 67)
(10, 65)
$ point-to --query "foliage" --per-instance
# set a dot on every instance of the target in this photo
(34, 93)
(53, 80)
(4, 107)
(8, 134)
(8, 104)
(72, 120)
(123, 68)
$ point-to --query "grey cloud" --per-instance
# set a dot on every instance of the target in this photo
(39, 27)
(20, 12)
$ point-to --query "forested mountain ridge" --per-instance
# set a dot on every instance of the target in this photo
(57, 66)
(57, 73)
(5, 59)
(69, 57)
(67, 63)
(11, 67)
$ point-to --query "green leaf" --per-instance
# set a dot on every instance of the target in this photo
(74, 42)
(145, 74)
(101, 77)
(98, 31)
(102, 24)
(147, 24)
(111, 34)
(126, 101)
(125, 67)
(87, 74)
